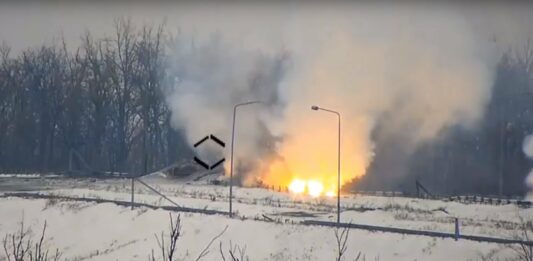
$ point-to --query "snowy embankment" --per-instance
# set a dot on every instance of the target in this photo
(108, 232)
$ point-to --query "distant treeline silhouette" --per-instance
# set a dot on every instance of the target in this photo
(105, 99)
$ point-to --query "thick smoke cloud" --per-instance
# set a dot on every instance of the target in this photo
(210, 79)
(426, 66)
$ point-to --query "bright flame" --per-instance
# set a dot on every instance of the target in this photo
(308, 162)
(297, 186)
(314, 188)
(309, 153)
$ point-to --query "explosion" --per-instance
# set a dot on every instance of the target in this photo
(413, 83)
(297, 186)
(313, 188)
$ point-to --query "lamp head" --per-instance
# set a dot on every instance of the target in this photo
(314, 107)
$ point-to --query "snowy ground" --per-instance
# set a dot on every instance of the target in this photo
(88, 231)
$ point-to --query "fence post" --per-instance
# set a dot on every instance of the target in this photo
(132, 192)
(457, 235)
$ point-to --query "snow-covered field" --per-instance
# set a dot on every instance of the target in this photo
(90, 231)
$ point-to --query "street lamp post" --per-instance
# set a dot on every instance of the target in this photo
(316, 108)
(232, 145)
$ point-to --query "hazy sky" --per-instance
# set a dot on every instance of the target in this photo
(31, 23)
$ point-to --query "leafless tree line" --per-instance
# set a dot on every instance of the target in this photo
(104, 100)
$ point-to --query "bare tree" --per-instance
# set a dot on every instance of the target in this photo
(6, 88)
(19, 246)
(150, 102)
(524, 251)
(205, 251)
(341, 238)
(235, 252)
(98, 94)
(122, 77)
(168, 250)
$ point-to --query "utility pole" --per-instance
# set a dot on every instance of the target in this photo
(316, 108)
(232, 149)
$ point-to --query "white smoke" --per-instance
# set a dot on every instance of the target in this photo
(527, 147)
(213, 76)
(429, 66)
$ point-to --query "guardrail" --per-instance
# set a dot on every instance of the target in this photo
(455, 236)
(116, 202)
(466, 199)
